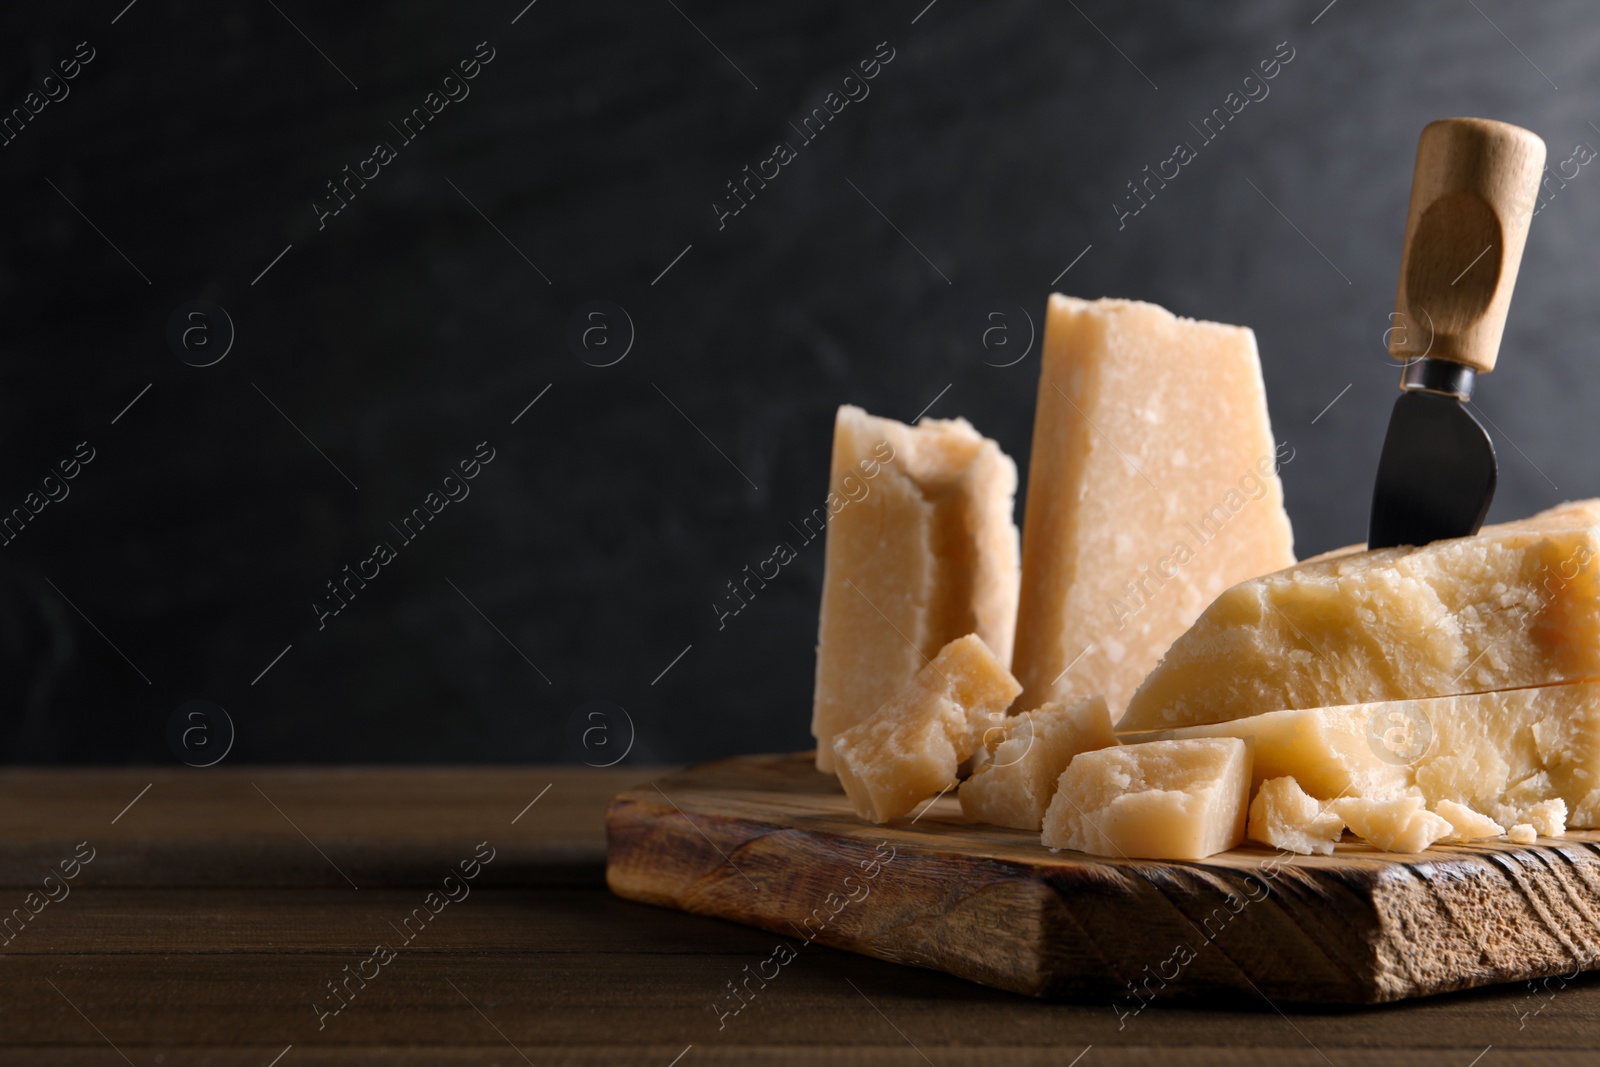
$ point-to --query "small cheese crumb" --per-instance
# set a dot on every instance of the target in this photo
(1548, 817)
(1466, 824)
(1523, 834)
(1285, 816)
(1394, 824)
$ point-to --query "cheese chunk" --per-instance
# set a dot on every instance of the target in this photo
(1547, 817)
(1177, 800)
(921, 549)
(1466, 824)
(910, 749)
(1284, 816)
(1498, 753)
(1026, 756)
(1522, 834)
(1152, 487)
(1497, 611)
(1394, 824)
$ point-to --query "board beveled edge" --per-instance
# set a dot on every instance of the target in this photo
(767, 841)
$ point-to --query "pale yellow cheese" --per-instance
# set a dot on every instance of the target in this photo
(1547, 817)
(1507, 609)
(1466, 824)
(1394, 824)
(921, 549)
(1522, 834)
(910, 748)
(1026, 755)
(1284, 816)
(1498, 753)
(1179, 800)
(1152, 487)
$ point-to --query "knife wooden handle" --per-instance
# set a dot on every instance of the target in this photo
(1472, 197)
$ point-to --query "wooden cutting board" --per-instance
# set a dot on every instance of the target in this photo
(770, 842)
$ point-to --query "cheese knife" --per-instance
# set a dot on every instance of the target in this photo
(1472, 197)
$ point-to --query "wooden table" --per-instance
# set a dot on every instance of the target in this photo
(219, 904)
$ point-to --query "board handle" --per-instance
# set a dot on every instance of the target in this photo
(1472, 197)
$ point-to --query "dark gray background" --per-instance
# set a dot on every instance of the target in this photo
(409, 330)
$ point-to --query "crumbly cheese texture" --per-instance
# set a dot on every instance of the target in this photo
(1285, 816)
(1394, 824)
(1517, 606)
(1466, 824)
(1025, 757)
(1548, 817)
(921, 549)
(1178, 800)
(1499, 754)
(910, 749)
(1522, 834)
(1152, 487)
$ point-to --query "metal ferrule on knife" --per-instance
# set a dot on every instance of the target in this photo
(1444, 376)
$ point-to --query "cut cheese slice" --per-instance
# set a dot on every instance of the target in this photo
(1498, 611)
(1152, 487)
(1394, 824)
(1178, 800)
(921, 548)
(910, 749)
(1498, 753)
(1026, 755)
(1466, 824)
(1284, 816)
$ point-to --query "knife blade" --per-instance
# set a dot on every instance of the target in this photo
(1472, 196)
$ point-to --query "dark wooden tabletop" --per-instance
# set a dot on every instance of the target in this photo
(231, 916)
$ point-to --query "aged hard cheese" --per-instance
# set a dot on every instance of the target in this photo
(921, 549)
(1025, 758)
(1152, 487)
(1511, 608)
(1505, 755)
(1466, 824)
(1179, 800)
(1284, 816)
(911, 747)
(1394, 824)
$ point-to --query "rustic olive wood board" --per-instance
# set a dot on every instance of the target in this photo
(770, 842)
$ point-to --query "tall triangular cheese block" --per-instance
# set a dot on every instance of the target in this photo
(1517, 605)
(1152, 487)
(921, 550)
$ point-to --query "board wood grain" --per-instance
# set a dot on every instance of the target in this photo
(770, 842)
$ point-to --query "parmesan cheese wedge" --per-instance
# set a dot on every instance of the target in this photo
(910, 749)
(1514, 608)
(1026, 755)
(1497, 753)
(1177, 800)
(1284, 816)
(1152, 487)
(921, 549)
